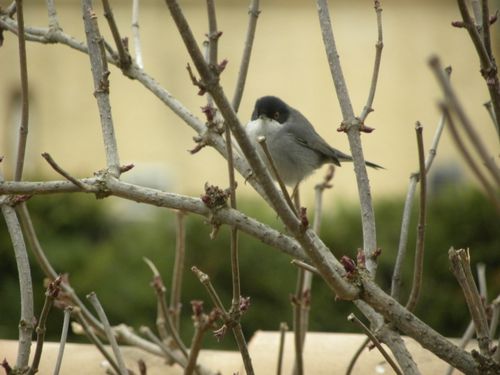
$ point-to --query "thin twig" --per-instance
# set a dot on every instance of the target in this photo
(52, 13)
(468, 158)
(24, 123)
(227, 318)
(136, 35)
(495, 315)
(95, 340)
(304, 265)
(464, 340)
(92, 297)
(297, 301)
(263, 144)
(27, 319)
(491, 112)
(483, 49)
(376, 66)
(460, 265)
(123, 53)
(178, 270)
(283, 329)
(64, 335)
(62, 172)
(356, 356)
(160, 290)
(352, 126)
(51, 293)
(419, 248)
(455, 105)
(213, 33)
(100, 73)
(168, 353)
(481, 278)
(253, 13)
(352, 318)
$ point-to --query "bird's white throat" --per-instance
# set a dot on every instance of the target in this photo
(262, 127)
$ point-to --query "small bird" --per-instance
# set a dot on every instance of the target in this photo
(295, 147)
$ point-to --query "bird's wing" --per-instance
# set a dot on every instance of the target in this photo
(305, 134)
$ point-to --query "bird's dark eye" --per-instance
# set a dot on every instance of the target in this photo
(276, 116)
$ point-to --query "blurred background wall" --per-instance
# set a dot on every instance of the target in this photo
(288, 60)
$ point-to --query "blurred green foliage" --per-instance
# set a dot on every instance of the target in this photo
(101, 248)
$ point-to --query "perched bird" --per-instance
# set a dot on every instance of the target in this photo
(295, 147)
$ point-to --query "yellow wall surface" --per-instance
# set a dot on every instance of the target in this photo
(288, 60)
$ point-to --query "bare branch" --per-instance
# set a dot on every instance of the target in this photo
(253, 13)
(178, 270)
(123, 53)
(62, 172)
(64, 335)
(52, 13)
(23, 126)
(92, 297)
(468, 159)
(135, 34)
(419, 249)
(283, 329)
(352, 126)
(376, 66)
(354, 319)
(455, 105)
(100, 73)
(51, 294)
(460, 265)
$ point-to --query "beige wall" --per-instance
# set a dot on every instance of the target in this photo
(288, 60)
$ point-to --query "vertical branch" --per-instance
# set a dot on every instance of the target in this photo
(135, 34)
(460, 265)
(64, 335)
(178, 271)
(123, 54)
(92, 297)
(352, 126)
(419, 250)
(23, 126)
(376, 66)
(213, 34)
(283, 329)
(25, 286)
(52, 13)
(253, 12)
(100, 73)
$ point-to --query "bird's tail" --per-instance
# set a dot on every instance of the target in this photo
(340, 156)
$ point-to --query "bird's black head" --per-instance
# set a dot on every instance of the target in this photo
(272, 107)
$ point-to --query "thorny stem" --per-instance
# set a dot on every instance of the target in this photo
(419, 248)
(352, 124)
(23, 126)
(376, 66)
(92, 297)
(100, 73)
(460, 265)
(405, 223)
(64, 335)
(123, 54)
(283, 329)
(354, 319)
(253, 13)
(178, 271)
(136, 35)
